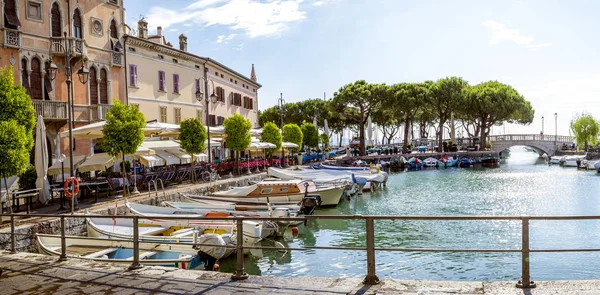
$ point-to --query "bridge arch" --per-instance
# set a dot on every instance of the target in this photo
(548, 144)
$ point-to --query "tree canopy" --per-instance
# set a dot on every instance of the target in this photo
(123, 131)
(444, 98)
(292, 133)
(237, 129)
(324, 138)
(271, 134)
(586, 129)
(310, 136)
(193, 136)
(17, 123)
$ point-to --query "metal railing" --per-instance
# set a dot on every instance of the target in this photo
(371, 277)
(50, 110)
(531, 137)
(90, 113)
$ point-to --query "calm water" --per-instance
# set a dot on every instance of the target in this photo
(522, 185)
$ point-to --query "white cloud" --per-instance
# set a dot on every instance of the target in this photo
(500, 33)
(319, 3)
(251, 16)
(224, 39)
(240, 47)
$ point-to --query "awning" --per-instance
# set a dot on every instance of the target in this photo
(157, 145)
(169, 158)
(56, 168)
(97, 162)
(289, 145)
(10, 14)
(183, 156)
(151, 160)
(201, 157)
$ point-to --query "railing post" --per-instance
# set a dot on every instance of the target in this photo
(63, 240)
(525, 281)
(240, 274)
(371, 278)
(12, 234)
(136, 246)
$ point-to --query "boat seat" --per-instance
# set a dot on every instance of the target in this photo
(150, 230)
(101, 253)
(144, 255)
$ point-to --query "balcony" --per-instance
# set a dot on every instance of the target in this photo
(50, 110)
(77, 46)
(12, 38)
(117, 59)
(90, 113)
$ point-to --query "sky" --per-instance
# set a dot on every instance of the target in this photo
(548, 50)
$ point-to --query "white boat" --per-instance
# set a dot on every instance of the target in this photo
(120, 228)
(119, 251)
(236, 204)
(252, 230)
(555, 159)
(597, 166)
(430, 162)
(571, 161)
(284, 191)
(589, 164)
(330, 176)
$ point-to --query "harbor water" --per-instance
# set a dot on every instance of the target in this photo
(524, 184)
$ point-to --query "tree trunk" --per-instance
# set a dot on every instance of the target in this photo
(482, 136)
(362, 131)
(441, 134)
(192, 174)
(341, 137)
(124, 172)
(8, 203)
(406, 126)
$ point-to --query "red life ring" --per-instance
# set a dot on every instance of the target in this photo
(68, 193)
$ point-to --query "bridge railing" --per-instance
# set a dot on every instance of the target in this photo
(531, 137)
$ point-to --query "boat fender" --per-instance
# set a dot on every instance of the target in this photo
(211, 190)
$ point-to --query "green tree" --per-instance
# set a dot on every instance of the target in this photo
(409, 98)
(586, 130)
(271, 134)
(310, 135)
(238, 139)
(123, 131)
(292, 133)
(363, 96)
(384, 115)
(445, 97)
(492, 102)
(17, 122)
(324, 138)
(193, 139)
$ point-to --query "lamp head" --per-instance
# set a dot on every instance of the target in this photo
(83, 74)
(61, 158)
(213, 97)
(199, 95)
(52, 69)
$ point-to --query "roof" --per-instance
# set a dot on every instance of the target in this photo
(207, 59)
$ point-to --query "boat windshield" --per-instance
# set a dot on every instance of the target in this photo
(312, 187)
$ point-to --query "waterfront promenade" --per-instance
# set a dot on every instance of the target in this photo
(27, 273)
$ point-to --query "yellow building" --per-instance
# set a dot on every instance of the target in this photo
(163, 82)
(32, 34)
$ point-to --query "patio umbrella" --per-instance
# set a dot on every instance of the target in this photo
(370, 129)
(41, 161)
(326, 127)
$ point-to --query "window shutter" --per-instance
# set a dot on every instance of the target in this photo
(36, 80)
(10, 13)
(223, 94)
(175, 83)
(103, 86)
(93, 86)
(197, 85)
(161, 80)
(56, 27)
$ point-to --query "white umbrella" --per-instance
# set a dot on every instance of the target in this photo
(326, 127)
(41, 161)
(370, 129)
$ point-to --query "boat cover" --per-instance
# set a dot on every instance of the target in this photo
(321, 176)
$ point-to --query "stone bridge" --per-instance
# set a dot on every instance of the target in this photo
(542, 143)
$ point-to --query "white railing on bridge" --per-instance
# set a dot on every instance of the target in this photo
(531, 137)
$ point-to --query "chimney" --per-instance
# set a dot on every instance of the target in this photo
(143, 29)
(253, 74)
(182, 42)
(159, 31)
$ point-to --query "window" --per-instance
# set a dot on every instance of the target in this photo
(161, 56)
(163, 114)
(55, 16)
(77, 31)
(235, 81)
(220, 94)
(212, 120)
(197, 86)
(177, 115)
(115, 2)
(220, 120)
(237, 99)
(175, 61)
(216, 73)
(221, 75)
(36, 80)
(131, 49)
(113, 29)
(253, 89)
(11, 19)
(248, 103)
(176, 83)
(199, 115)
(197, 66)
(162, 79)
(34, 10)
(133, 76)
(266, 191)
(24, 75)
(103, 86)
(93, 86)
(283, 189)
(230, 80)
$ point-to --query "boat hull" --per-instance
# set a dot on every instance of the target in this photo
(330, 196)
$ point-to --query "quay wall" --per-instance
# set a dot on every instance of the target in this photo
(26, 229)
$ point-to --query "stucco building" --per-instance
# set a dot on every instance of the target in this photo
(162, 81)
(32, 35)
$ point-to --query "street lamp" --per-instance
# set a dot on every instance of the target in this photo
(281, 104)
(542, 125)
(83, 75)
(61, 159)
(555, 130)
(213, 99)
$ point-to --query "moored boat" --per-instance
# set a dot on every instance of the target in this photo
(466, 162)
(447, 162)
(414, 163)
(490, 161)
(555, 159)
(119, 251)
(430, 162)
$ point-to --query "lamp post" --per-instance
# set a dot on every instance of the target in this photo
(213, 99)
(542, 125)
(83, 75)
(281, 103)
(61, 159)
(555, 130)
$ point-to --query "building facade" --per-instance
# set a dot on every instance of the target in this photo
(33, 36)
(163, 82)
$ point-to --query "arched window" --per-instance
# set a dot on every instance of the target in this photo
(56, 27)
(113, 29)
(24, 75)
(11, 18)
(93, 86)
(35, 89)
(103, 86)
(77, 30)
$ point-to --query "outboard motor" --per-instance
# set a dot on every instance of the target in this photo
(309, 204)
(281, 213)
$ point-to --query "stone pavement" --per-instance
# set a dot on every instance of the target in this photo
(27, 273)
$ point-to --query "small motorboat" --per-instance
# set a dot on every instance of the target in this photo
(555, 160)
(414, 163)
(573, 161)
(490, 161)
(588, 164)
(430, 162)
(445, 162)
(466, 162)
(597, 166)
(119, 251)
